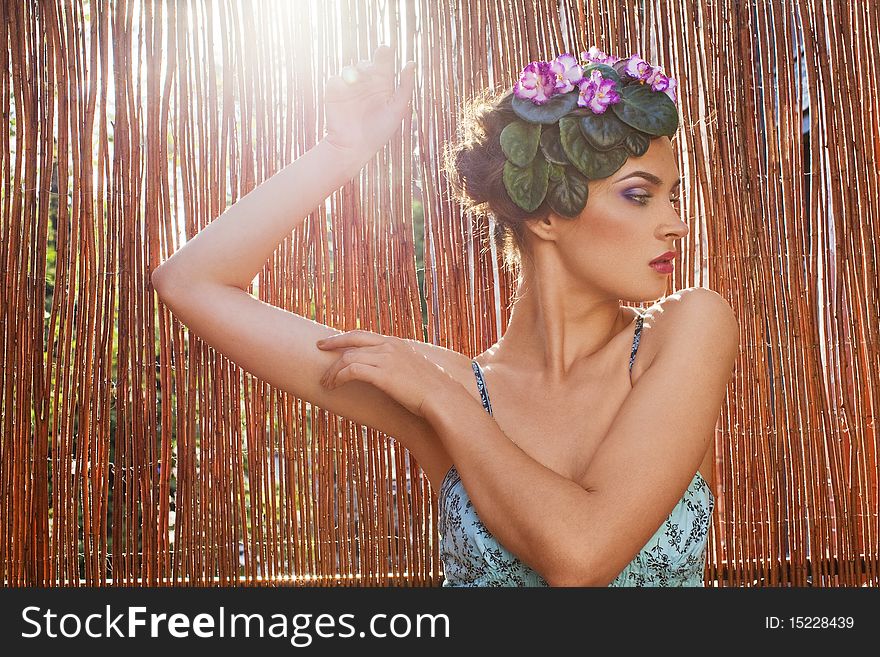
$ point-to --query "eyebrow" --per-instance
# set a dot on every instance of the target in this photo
(650, 177)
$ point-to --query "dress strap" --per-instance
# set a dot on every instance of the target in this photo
(636, 338)
(481, 386)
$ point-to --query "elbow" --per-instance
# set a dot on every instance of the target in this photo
(156, 280)
(576, 573)
(162, 282)
(575, 579)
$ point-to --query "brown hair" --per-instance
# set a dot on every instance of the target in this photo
(474, 165)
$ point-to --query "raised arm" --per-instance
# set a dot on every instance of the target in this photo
(204, 283)
(361, 117)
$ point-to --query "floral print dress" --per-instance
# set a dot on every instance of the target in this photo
(674, 556)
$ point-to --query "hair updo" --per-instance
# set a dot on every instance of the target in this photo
(474, 166)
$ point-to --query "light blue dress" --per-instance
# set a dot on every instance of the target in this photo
(674, 556)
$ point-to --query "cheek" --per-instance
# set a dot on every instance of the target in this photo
(609, 237)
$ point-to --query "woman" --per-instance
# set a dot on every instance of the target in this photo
(587, 466)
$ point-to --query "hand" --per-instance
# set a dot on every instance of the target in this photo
(363, 110)
(389, 363)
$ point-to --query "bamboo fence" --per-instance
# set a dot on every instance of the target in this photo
(132, 453)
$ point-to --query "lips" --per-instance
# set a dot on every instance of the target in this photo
(664, 257)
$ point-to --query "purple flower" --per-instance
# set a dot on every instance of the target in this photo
(567, 71)
(638, 68)
(596, 56)
(537, 82)
(660, 82)
(656, 78)
(672, 85)
(597, 93)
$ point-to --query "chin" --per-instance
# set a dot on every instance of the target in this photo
(646, 293)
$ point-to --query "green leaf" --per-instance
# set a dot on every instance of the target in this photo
(607, 71)
(557, 172)
(551, 146)
(604, 131)
(636, 143)
(569, 196)
(573, 142)
(650, 111)
(590, 162)
(527, 186)
(604, 163)
(550, 112)
(519, 141)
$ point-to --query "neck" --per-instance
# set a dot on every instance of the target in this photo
(555, 324)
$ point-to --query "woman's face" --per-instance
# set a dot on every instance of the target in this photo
(630, 218)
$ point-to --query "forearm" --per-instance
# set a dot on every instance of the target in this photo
(234, 247)
(527, 506)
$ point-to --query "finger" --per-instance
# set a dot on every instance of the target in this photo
(384, 57)
(343, 360)
(357, 338)
(365, 71)
(367, 356)
(403, 95)
(330, 371)
(383, 60)
(350, 355)
(378, 76)
(356, 372)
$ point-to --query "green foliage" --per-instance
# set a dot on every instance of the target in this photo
(590, 162)
(519, 141)
(418, 219)
(569, 193)
(603, 131)
(552, 150)
(550, 112)
(551, 145)
(651, 112)
(527, 185)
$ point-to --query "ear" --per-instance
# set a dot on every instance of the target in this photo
(546, 228)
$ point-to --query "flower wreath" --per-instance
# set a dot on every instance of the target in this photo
(565, 136)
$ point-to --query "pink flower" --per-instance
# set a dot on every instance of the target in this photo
(597, 93)
(656, 78)
(660, 82)
(537, 82)
(671, 88)
(540, 81)
(638, 68)
(568, 72)
(596, 56)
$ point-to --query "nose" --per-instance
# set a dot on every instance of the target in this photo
(679, 227)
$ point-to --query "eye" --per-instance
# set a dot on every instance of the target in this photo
(638, 198)
(641, 199)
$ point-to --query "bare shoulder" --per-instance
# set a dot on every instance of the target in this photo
(678, 317)
(692, 312)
